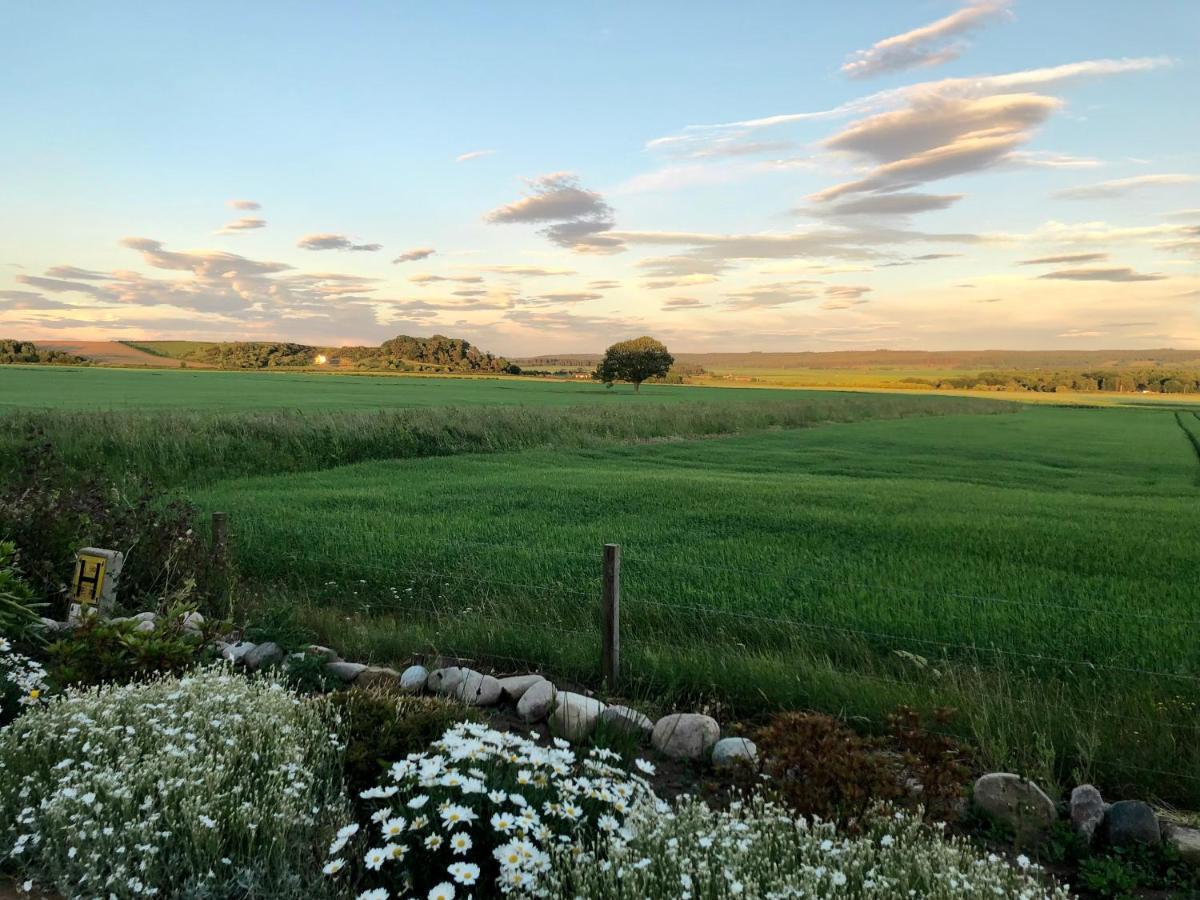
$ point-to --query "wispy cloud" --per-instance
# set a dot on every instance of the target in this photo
(245, 204)
(414, 254)
(1112, 274)
(1064, 258)
(1120, 186)
(473, 154)
(929, 45)
(245, 223)
(327, 241)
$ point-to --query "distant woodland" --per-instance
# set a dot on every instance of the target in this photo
(403, 353)
(13, 351)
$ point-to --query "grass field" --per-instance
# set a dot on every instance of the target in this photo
(1036, 570)
(1031, 565)
(34, 387)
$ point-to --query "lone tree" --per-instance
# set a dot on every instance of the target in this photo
(634, 361)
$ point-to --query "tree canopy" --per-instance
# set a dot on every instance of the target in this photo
(634, 361)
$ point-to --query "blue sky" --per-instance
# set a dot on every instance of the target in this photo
(750, 176)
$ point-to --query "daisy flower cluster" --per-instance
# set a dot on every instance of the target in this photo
(22, 681)
(205, 785)
(481, 812)
(759, 850)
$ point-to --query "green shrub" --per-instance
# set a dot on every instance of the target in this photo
(18, 614)
(101, 651)
(758, 849)
(50, 512)
(379, 727)
(208, 785)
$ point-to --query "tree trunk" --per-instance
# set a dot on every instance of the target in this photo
(637, 387)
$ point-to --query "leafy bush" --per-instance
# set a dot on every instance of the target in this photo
(18, 615)
(50, 512)
(818, 766)
(379, 727)
(758, 849)
(208, 785)
(484, 808)
(22, 682)
(100, 651)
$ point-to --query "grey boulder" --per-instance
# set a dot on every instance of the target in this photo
(1131, 822)
(1015, 801)
(1186, 842)
(445, 681)
(412, 679)
(732, 751)
(685, 735)
(1087, 810)
(627, 721)
(236, 653)
(575, 716)
(536, 702)
(146, 626)
(478, 690)
(263, 655)
(345, 671)
(515, 686)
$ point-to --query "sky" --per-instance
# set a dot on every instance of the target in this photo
(542, 178)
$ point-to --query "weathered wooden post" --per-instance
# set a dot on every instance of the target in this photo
(611, 616)
(218, 553)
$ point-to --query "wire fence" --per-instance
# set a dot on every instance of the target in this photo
(1122, 680)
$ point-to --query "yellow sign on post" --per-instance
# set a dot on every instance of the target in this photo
(94, 585)
(89, 577)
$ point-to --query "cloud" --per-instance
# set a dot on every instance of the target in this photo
(1120, 186)
(1113, 274)
(1046, 159)
(73, 272)
(569, 297)
(248, 205)
(473, 154)
(414, 254)
(929, 257)
(840, 243)
(675, 304)
(245, 223)
(426, 278)
(973, 123)
(770, 296)
(604, 285)
(29, 301)
(577, 218)
(65, 286)
(1070, 258)
(929, 45)
(326, 241)
(936, 136)
(989, 300)
(887, 205)
(527, 271)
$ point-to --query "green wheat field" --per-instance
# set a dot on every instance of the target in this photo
(1033, 566)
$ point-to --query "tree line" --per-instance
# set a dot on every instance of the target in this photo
(1152, 380)
(402, 353)
(14, 351)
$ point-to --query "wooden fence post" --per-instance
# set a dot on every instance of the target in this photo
(219, 549)
(611, 616)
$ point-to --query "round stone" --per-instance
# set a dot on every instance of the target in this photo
(685, 735)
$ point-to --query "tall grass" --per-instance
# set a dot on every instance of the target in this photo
(196, 447)
(1033, 570)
